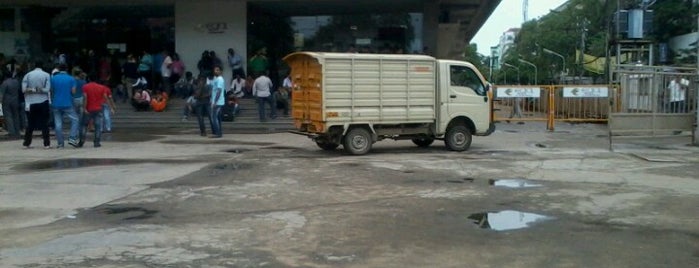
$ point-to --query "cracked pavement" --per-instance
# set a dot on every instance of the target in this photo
(278, 201)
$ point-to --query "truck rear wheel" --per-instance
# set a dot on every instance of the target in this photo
(327, 146)
(423, 142)
(458, 138)
(357, 141)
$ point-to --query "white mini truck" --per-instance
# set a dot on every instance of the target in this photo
(359, 99)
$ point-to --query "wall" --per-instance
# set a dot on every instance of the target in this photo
(683, 42)
(210, 25)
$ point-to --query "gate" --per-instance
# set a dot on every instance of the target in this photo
(552, 103)
(653, 101)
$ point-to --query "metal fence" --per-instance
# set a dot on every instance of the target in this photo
(653, 101)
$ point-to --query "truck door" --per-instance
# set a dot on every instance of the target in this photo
(467, 96)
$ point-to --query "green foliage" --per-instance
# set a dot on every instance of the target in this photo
(563, 31)
(471, 55)
(673, 17)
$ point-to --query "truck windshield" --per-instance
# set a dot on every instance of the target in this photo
(463, 76)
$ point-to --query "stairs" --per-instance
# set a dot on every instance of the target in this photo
(171, 119)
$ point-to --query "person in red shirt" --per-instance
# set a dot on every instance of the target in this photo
(95, 94)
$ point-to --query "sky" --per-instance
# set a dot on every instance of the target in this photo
(509, 15)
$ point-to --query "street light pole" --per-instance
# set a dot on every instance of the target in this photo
(514, 67)
(563, 70)
(695, 138)
(536, 70)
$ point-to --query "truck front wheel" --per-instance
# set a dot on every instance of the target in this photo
(423, 142)
(357, 141)
(327, 146)
(458, 138)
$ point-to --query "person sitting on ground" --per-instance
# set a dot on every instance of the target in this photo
(141, 100)
(237, 91)
(159, 102)
(188, 107)
(185, 86)
(249, 81)
(282, 100)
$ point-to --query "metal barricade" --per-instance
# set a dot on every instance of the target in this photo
(551, 103)
(521, 103)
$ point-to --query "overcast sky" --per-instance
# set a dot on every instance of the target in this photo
(509, 15)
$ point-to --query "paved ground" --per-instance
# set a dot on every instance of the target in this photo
(278, 201)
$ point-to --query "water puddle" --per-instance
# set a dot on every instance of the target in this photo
(506, 220)
(513, 183)
(70, 163)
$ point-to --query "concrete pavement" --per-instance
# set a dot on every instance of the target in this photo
(276, 200)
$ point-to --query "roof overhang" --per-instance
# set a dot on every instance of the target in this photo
(469, 14)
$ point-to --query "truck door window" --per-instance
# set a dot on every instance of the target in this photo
(462, 76)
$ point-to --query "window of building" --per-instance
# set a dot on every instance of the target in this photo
(7, 19)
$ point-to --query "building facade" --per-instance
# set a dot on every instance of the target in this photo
(30, 28)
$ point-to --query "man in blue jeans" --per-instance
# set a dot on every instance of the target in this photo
(262, 89)
(218, 99)
(62, 90)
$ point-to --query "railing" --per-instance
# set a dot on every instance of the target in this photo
(552, 103)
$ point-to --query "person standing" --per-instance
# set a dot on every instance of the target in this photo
(262, 90)
(166, 72)
(9, 93)
(62, 90)
(202, 104)
(258, 64)
(36, 86)
(130, 71)
(145, 65)
(677, 94)
(96, 95)
(106, 108)
(218, 99)
(78, 96)
(236, 64)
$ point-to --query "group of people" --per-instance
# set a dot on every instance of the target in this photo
(60, 94)
(148, 81)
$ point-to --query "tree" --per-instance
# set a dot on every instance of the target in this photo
(471, 55)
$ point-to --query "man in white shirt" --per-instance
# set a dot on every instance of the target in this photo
(166, 72)
(262, 90)
(677, 92)
(36, 86)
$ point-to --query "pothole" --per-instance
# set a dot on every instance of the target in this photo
(129, 213)
(237, 150)
(507, 220)
(70, 163)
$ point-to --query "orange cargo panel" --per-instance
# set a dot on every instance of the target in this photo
(306, 104)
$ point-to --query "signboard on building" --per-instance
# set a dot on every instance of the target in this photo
(213, 27)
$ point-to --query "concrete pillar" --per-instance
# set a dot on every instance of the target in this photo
(210, 25)
(430, 27)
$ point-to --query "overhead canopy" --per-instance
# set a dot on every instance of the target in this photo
(469, 14)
